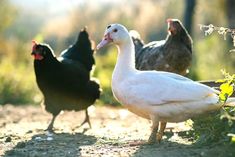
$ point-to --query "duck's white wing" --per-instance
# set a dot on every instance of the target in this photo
(174, 76)
(156, 89)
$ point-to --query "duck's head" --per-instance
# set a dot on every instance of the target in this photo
(115, 33)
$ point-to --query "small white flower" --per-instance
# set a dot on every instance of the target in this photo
(223, 31)
(201, 27)
(209, 30)
(233, 50)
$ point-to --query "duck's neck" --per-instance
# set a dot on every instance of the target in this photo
(125, 61)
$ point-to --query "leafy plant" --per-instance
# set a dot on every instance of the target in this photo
(218, 126)
(211, 128)
(227, 86)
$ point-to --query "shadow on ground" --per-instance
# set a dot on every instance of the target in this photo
(113, 131)
(59, 144)
(166, 148)
(176, 149)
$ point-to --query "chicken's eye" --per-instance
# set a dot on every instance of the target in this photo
(115, 30)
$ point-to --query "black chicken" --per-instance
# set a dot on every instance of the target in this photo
(65, 81)
(174, 54)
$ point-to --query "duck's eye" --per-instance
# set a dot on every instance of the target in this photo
(115, 30)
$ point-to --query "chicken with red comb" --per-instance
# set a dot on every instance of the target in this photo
(174, 54)
(65, 81)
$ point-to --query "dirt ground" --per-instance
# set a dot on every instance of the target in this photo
(114, 130)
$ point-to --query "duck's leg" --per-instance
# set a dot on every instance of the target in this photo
(50, 126)
(152, 137)
(86, 120)
(161, 131)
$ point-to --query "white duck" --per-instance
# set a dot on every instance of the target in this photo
(159, 96)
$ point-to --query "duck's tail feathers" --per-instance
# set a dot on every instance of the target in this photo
(230, 102)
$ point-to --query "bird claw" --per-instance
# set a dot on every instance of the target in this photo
(50, 129)
(86, 120)
(152, 139)
(150, 142)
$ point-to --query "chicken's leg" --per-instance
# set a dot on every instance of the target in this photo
(50, 126)
(161, 131)
(86, 120)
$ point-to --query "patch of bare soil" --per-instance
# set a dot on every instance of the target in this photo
(113, 132)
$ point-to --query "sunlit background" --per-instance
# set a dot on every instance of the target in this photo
(58, 22)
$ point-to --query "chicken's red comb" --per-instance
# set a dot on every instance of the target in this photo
(169, 20)
(34, 42)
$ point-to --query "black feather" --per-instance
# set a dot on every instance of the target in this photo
(81, 50)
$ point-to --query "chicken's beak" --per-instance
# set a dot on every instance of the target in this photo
(106, 40)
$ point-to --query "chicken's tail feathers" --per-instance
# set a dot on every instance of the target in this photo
(138, 42)
(134, 34)
(82, 50)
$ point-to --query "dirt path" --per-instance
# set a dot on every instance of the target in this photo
(113, 131)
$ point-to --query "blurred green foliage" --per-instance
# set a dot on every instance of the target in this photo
(19, 25)
(104, 67)
(16, 77)
(17, 84)
(214, 127)
(7, 14)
